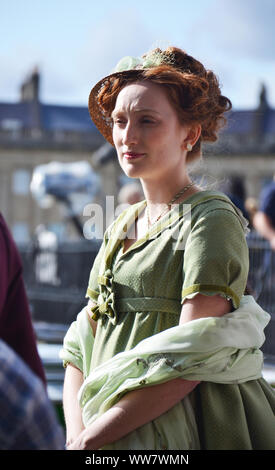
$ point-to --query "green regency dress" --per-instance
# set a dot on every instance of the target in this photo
(198, 247)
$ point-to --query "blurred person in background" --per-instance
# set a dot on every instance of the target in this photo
(234, 188)
(264, 219)
(251, 206)
(166, 353)
(27, 417)
(16, 327)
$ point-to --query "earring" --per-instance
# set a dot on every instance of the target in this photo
(189, 147)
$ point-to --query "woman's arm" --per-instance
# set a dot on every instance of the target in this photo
(72, 411)
(132, 411)
(139, 407)
(202, 306)
(72, 383)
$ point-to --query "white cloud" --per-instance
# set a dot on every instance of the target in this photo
(121, 33)
(235, 38)
(238, 29)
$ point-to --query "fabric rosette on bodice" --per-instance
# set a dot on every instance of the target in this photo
(106, 299)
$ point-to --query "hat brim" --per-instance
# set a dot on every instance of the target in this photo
(103, 123)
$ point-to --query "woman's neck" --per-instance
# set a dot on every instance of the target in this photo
(159, 194)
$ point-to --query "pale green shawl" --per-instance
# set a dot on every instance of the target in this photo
(213, 349)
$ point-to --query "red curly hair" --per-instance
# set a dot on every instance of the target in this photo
(193, 91)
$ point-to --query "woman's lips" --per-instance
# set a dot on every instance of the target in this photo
(133, 155)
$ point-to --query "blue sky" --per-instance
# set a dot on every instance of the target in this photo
(74, 43)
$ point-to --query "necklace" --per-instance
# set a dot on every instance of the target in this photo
(149, 223)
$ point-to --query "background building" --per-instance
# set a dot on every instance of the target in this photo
(33, 133)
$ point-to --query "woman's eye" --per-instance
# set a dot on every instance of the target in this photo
(146, 120)
(119, 121)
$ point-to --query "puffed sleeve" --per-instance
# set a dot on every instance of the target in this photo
(78, 344)
(216, 259)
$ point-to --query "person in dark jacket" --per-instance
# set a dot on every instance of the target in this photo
(16, 328)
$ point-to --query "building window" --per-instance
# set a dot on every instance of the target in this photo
(13, 125)
(21, 182)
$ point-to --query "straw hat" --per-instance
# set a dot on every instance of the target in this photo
(103, 122)
(126, 68)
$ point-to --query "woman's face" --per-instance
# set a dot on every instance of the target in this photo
(149, 139)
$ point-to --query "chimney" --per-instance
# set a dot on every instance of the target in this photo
(30, 88)
(30, 96)
(261, 115)
(263, 103)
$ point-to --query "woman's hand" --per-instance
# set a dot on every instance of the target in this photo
(81, 443)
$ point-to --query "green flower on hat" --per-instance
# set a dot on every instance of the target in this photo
(151, 59)
(128, 63)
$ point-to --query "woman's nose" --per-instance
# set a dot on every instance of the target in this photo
(130, 134)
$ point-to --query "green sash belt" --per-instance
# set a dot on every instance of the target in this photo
(148, 304)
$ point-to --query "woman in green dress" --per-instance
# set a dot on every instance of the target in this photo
(166, 355)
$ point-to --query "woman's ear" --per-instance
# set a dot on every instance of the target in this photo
(192, 137)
